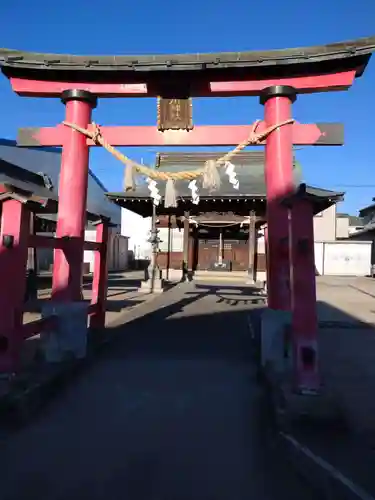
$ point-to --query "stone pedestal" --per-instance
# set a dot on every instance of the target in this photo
(276, 363)
(250, 279)
(149, 286)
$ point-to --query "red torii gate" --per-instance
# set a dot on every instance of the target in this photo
(275, 76)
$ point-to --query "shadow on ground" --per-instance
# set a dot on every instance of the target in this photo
(171, 409)
(44, 280)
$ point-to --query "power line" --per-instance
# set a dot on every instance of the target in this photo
(356, 186)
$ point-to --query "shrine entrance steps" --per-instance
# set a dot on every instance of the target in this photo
(221, 276)
(229, 277)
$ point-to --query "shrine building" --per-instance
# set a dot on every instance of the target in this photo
(222, 231)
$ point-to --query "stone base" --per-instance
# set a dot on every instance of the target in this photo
(290, 407)
(276, 369)
(220, 267)
(172, 276)
(148, 287)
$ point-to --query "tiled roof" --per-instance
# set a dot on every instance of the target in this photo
(20, 167)
(353, 54)
(249, 169)
(353, 219)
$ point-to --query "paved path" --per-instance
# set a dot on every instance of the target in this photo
(121, 297)
(171, 411)
(347, 362)
(347, 347)
(122, 294)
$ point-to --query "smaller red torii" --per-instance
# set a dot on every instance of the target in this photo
(15, 236)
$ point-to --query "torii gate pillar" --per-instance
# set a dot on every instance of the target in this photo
(277, 102)
(303, 285)
(67, 268)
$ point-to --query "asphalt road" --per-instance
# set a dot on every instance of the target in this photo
(171, 411)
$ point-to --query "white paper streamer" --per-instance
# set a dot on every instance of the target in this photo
(194, 192)
(154, 191)
(231, 173)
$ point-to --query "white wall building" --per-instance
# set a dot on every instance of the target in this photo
(17, 163)
(137, 229)
(117, 259)
(331, 225)
(335, 253)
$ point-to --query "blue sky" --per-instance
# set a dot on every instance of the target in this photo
(115, 27)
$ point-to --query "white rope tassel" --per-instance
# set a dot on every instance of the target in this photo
(170, 199)
(231, 173)
(129, 182)
(194, 192)
(211, 176)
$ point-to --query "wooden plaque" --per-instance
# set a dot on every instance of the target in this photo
(175, 114)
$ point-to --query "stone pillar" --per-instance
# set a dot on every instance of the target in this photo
(252, 248)
(168, 264)
(195, 251)
(185, 265)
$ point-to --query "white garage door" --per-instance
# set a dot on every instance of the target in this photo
(318, 254)
(347, 259)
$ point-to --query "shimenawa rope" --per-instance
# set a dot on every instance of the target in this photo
(96, 136)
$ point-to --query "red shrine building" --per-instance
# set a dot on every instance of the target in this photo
(223, 228)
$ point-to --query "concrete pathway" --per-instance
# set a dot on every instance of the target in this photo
(171, 411)
(346, 309)
(122, 294)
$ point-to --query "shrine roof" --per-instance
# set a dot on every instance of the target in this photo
(301, 61)
(175, 161)
(367, 210)
(249, 169)
(250, 173)
(12, 176)
(368, 229)
(28, 168)
(32, 186)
